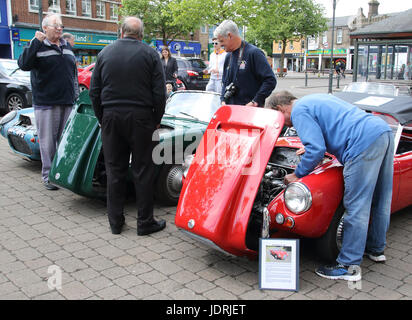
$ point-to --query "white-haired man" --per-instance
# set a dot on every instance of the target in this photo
(52, 66)
(247, 76)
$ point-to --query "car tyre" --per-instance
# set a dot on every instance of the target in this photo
(169, 184)
(328, 246)
(15, 101)
(82, 88)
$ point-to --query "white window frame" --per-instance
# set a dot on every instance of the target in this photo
(113, 11)
(100, 9)
(33, 5)
(339, 36)
(54, 6)
(71, 8)
(86, 8)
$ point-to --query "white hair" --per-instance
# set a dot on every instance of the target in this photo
(46, 19)
(226, 27)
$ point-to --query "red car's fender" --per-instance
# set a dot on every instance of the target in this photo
(223, 179)
(315, 221)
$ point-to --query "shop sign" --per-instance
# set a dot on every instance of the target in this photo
(326, 52)
(15, 34)
(181, 46)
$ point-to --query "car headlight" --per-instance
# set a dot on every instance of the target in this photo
(186, 164)
(8, 117)
(298, 198)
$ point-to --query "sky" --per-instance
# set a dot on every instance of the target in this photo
(350, 7)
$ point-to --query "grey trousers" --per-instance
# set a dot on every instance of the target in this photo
(50, 124)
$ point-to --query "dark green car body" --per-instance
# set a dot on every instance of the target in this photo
(79, 164)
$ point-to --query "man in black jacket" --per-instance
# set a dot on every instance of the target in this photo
(247, 76)
(128, 95)
(53, 73)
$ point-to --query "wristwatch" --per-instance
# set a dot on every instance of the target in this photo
(255, 104)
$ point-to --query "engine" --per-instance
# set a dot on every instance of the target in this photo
(283, 161)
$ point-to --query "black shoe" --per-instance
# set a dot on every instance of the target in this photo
(151, 228)
(50, 186)
(117, 229)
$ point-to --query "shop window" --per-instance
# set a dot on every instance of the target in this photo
(100, 9)
(34, 5)
(113, 11)
(86, 8)
(339, 36)
(54, 6)
(71, 7)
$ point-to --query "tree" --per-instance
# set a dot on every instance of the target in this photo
(162, 18)
(285, 21)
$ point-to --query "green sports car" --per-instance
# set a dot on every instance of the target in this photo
(79, 163)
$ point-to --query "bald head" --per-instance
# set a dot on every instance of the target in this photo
(132, 27)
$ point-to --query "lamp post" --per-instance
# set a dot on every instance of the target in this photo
(331, 49)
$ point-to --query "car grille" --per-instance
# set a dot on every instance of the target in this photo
(20, 145)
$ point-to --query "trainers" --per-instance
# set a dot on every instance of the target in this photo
(338, 272)
(377, 257)
(49, 186)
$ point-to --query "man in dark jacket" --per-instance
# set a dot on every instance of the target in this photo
(247, 76)
(128, 95)
(52, 66)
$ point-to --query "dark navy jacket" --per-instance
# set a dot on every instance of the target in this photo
(255, 79)
(52, 72)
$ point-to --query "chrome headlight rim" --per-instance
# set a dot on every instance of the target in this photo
(8, 117)
(305, 194)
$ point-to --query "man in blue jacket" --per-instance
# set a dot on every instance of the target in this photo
(247, 76)
(52, 66)
(363, 143)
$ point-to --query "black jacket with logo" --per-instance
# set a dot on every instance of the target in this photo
(52, 72)
(129, 73)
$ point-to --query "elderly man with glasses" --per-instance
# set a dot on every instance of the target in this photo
(216, 63)
(52, 66)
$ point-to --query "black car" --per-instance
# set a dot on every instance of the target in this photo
(190, 72)
(15, 87)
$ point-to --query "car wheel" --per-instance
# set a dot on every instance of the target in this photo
(328, 246)
(82, 88)
(15, 101)
(169, 184)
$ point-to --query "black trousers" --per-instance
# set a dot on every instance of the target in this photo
(128, 131)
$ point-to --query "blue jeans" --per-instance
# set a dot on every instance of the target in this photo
(367, 199)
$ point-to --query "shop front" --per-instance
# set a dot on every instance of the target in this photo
(320, 60)
(86, 45)
(5, 49)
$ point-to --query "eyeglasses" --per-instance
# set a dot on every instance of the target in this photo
(215, 43)
(56, 26)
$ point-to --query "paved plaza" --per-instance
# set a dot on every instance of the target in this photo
(47, 233)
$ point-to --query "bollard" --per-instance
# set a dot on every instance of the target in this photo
(337, 82)
(306, 79)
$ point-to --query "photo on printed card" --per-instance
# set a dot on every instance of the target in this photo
(279, 264)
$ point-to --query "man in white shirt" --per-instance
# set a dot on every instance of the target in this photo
(217, 60)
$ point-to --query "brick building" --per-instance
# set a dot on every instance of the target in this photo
(94, 23)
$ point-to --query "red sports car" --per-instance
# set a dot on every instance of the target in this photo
(233, 193)
(279, 254)
(84, 77)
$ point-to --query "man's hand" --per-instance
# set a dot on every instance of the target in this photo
(252, 104)
(290, 178)
(300, 151)
(40, 36)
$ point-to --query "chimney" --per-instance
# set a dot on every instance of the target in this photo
(373, 8)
